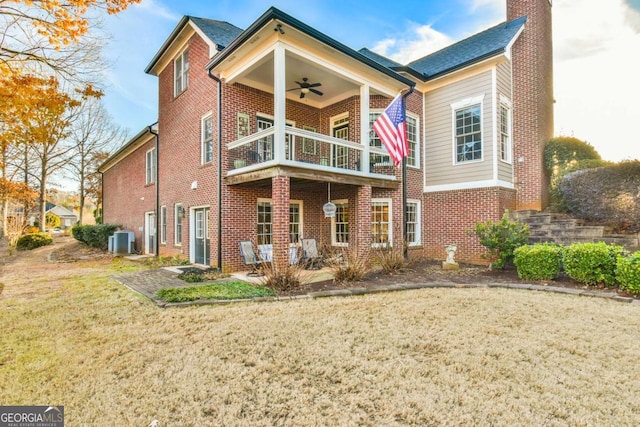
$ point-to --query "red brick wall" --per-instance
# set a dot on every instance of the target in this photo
(179, 123)
(126, 196)
(532, 58)
(449, 217)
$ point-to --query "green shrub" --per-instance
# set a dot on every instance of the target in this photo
(501, 239)
(628, 272)
(96, 236)
(541, 261)
(32, 241)
(592, 263)
(191, 277)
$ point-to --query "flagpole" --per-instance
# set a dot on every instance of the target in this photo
(405, 242)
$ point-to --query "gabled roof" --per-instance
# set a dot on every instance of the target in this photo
(61, 211)
(220, 33)
(129, 147)
(276, 14)
(480, 46)
(379, 58)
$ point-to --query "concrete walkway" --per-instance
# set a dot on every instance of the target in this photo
(148, 282)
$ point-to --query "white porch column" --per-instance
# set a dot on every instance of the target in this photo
(364, 127)
(279, 101)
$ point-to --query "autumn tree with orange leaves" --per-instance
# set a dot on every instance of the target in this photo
(41, 34)
(44, 42)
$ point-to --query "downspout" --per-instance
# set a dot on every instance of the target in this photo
(404, 185)
(156, 243)
(219, 155)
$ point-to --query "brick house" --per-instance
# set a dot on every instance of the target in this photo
(248, 145)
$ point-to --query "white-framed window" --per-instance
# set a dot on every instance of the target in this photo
(504, 135)
(381, 233)
(413, 222)
(413, 136)
(467, 130)
(265, 221)
(468, 133)
(163, 225)
(340, 130)
(295, 222)
(375, 141)
(181, 73)
(340, 224)
(206, 138)
(178, 214)
(150, 165)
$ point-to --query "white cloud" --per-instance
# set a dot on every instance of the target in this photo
(158, 9)
(418, 41)
(595, 75)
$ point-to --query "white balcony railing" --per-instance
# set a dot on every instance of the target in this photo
(309, 150)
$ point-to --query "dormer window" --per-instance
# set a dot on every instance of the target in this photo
(181, 73)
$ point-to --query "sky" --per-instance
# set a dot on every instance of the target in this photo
(596, 52)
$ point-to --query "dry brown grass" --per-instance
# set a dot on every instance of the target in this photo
(433, 357)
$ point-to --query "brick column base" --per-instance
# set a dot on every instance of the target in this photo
(362, 237)
(280, 188)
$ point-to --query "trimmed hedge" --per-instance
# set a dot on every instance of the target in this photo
(592, 263)
(96, 236)
(541, 261)
(628, 272)
(33, 240)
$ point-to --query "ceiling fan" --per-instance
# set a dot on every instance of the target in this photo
(306, 87)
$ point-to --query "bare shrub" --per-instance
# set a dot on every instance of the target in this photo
(346, 265)
(390, 259)
(283, 279)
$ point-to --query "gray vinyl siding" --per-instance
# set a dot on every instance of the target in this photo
(503, 74)
(439, 140)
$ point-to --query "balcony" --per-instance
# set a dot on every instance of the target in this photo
(307, 155)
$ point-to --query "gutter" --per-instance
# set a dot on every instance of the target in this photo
(156, 249)
(219, 156)
(275, 14)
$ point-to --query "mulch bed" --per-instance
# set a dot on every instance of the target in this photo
(429, 271)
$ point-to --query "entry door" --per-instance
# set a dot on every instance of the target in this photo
(201, 236)
(265, 145)
(150, 233)
(341, 154)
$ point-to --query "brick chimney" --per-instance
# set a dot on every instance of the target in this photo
(532, 68)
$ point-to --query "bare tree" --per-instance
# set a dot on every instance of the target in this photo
(93, 135)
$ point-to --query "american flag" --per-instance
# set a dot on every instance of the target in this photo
(391, 128)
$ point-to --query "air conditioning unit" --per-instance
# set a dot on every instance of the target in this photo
(123, 242)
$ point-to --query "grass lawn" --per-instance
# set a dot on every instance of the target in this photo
(223, 290)
(432, 357)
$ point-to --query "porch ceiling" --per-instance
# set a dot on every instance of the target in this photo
(334, 87)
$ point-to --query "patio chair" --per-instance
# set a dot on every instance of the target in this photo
(310, 256)
(250, 259)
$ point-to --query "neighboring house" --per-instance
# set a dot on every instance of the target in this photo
(67, 218)
(251, 147)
